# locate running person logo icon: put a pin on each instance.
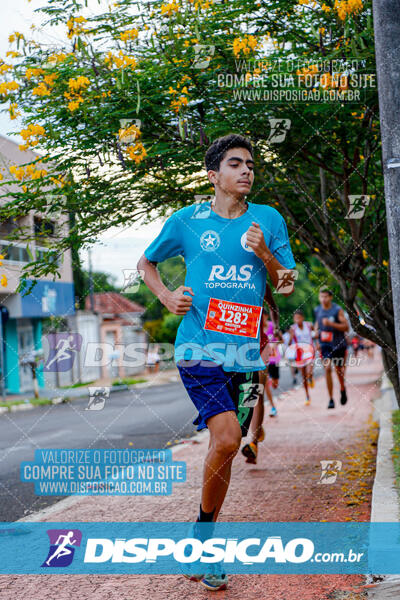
(286, 280)
(358, 205)
(329, 471)
(63, 348)
(62, 542)
(279, 129)
(249, 394)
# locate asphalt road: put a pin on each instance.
(155, 417)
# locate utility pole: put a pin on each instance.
(91, 281)
(387, 49)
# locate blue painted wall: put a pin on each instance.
(37, 338)
(11, 357)
(48, 298)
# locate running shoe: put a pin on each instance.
(343, 397)
(331, 403)
(273, 412)
(250, 452)
(198, 532)
(261, 435)
(193, 576)
(311, 382)
(215, 580)
(307, 402)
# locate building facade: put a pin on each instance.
(22, 315)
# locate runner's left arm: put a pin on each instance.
(280, 247)
(273, 308)
(343, 324)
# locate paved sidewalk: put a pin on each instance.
(283, 486)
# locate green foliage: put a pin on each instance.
(304, 297)
(172, 272)
(169, 327)
(138, 61)
(153, 329)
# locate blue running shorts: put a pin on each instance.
(213, 390)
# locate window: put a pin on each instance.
(7, 227)
(14, 252)
(40, 252)
(43, 228)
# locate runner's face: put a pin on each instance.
(298, 319)
(325, 299)
(236, 173)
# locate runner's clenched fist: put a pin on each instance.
(255, 240)
(177, 302)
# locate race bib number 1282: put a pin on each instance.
(233, 318)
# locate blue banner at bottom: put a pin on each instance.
(169, 548)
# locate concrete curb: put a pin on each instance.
(385, 499)
(74, 394)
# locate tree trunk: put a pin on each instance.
(387, 49)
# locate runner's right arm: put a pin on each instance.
(176, 302)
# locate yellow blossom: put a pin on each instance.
(246, 44)
(13, 111)
(4, 67)
(129, 34)
(120, 61)
(181, 101)
(32, 71)
(170, 8)
(49, 79)
(59, 57)
(8, 86)
(18, 172)
(12, 54)
(75, 26)
(325, 8)
(3, 281)
(345, 8)
(41, 90)
(15, 36)
(77, 84)
(32, 130)
(74, 104)
(136, 153)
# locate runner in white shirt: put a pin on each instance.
(303, 353)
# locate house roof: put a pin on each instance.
(113, 303)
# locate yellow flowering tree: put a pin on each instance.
(124, 110)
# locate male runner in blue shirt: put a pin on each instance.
(228, 246)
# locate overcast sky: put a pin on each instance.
(120, 248)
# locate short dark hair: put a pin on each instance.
(298, 311)
(325, 290)
(220, 147)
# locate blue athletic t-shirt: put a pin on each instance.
(219, 265)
